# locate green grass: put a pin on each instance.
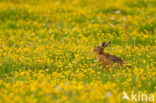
(39, 35)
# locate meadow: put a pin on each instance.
(46, 50)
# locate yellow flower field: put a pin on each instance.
(46, 51)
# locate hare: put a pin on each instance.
(107, 60)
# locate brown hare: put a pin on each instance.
(107, 60)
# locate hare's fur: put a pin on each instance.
(107, 59)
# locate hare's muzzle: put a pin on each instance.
(93, 50)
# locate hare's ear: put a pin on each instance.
(106, 44)
(103, 44)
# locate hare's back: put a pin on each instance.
(113, 58)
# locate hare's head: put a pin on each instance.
(99, 49)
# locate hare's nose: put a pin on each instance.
(93, 50)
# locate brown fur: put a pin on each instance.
(106, 59)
